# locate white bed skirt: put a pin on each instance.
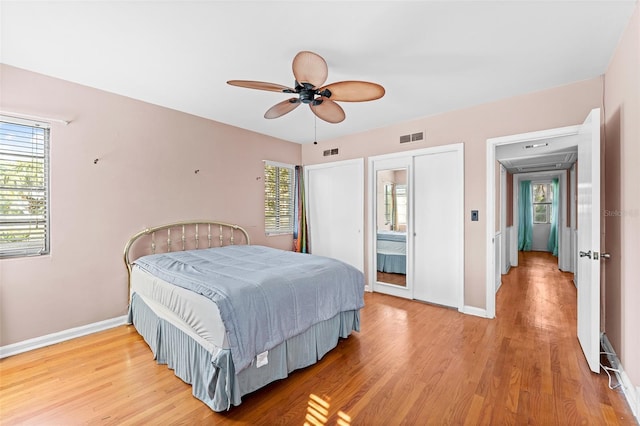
(211, 373)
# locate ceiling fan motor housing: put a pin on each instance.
(307, 93)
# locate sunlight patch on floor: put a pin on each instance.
(318, 413)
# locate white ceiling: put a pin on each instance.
(551, 154)
(431, 56)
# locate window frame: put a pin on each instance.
(548, 204)
(278, 229)
(40, 152)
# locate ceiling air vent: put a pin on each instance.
(412, 137)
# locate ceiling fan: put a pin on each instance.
(310, 72)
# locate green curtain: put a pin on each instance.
(552, 245)
(300, 231)
(525, 216)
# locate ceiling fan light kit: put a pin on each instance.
(310, 71)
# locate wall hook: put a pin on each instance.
(96, 161)
(197, 171)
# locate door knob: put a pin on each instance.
(587, 254)
(605, 255)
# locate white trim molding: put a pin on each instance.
(60, 336)
(630, 391)
(472, 310)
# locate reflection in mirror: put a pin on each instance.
(391, 226)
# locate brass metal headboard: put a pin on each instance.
(187, 235)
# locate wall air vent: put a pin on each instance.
(328, 152)
(413, 137)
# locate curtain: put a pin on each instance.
(552, 245)
(525, 216)
(300, 231)
(394, 209)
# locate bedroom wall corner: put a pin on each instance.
(155, 165)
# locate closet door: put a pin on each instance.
(438, 227)
(391, 233)
(335, 210)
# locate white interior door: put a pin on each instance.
(438, 228)
(588, 277)
(335, 210)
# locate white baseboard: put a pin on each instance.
(472, 310)
(630, 391)
(61, 336)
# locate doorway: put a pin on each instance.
(587, 139)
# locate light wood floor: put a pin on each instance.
(397, 279)
(411, 364)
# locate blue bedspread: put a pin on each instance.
(264, 295)
(392, 236)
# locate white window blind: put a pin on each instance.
(278, 198)
(24, 187)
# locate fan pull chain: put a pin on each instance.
(315, 130)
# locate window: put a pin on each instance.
(278, 198)
(542, 199)
(401, 200)
(24, 187)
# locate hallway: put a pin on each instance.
(536, 307)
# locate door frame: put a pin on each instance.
(564, 241)
(492, 144)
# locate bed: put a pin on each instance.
(391, 249)
(230, 317)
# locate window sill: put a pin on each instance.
(275, 234)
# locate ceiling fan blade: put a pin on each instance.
(311, 68)
(328, 110)
(281, 108)
(261, 85)
(354, 91)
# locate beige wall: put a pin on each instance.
(145, 176)
(556, 107)
(622, 199)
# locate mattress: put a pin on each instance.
(391, 247)
(197, 314)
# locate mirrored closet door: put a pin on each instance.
(391, 234)
(391, 216)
